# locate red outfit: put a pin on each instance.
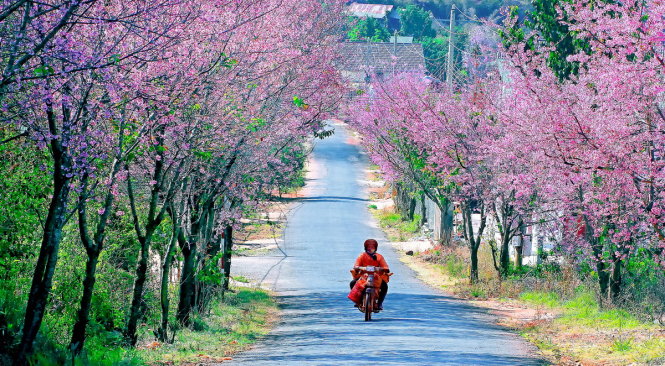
(365, 260)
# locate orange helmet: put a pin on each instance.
(371, 243)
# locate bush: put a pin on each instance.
(455, 266)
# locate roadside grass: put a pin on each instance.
(241, 279)
(232, 326)
(568, 325)
(394, 225)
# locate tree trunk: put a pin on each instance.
(162, 331)
(56, 218)
(603, 281)
(423, 210)
(447, 216)
(187, 285)
(78, 335)
(226, 257)
(616, 282)
(205, 289)
(519, 250)
(474, 265)
(42, 279)
(473, 239)
(504, 256)
(137, 295)
(518, 257)
(404, 202)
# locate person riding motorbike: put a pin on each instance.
(371, 258)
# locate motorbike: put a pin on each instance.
(365, 293)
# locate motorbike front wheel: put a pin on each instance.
(369, 308)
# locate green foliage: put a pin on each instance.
(552, 28)
(622, 345)
(545, 18)
(416, 22)
(373, 207)
(436, 54)
(389, 219)
(211, 273)
(546, 299)
(477, 291)
(368, 29)
(298, 101)
(411, 226)
(43, 70)
(455, 266)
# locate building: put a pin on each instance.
(363, 62)
(386, 13)
(377, 11)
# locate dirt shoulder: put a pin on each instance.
(573, 332)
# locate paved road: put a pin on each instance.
(320, 326)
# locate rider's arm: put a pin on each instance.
(383, 263)
(358, 262)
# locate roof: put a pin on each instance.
(401, 39)
(369, 10)
(382, 58)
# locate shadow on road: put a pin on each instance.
(414, 328)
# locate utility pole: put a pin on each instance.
(449, 63)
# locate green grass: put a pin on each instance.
(373, 206)
(624, 345)
(478, 292)
(546, 299)
(584, 310)
(393, 220)
(389, 219)
(455, 266)
(650, 352)
(412, 226)
(232, 325)
(242, 279)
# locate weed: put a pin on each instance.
(622, 345)
(478, 292)
(373, 207)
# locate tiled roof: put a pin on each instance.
(369, 10)
(386, 58)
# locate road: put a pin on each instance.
(319, 325)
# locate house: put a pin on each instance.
(378, 11)
(386, 13)
(363, 62)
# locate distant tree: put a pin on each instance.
(436, 54)
(553, 27)
(368, 29)
(552, 24)
(416, 22)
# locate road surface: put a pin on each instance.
(320, 326)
